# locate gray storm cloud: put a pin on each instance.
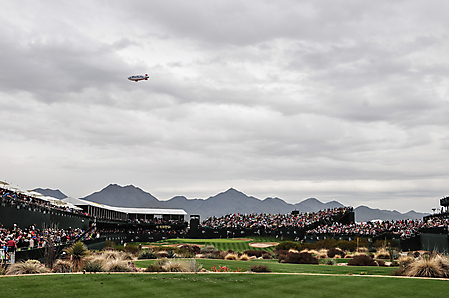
(293, 99)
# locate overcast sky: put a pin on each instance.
(338, 100)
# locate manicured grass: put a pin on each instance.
(224, 244)
(277, 267)
(217, 285)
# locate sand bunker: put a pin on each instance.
(263, 244)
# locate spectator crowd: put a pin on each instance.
(32, 237)
(402, 228)
(273, 221)
(11, 198)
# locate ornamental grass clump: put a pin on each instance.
(154, 268)
(27, 267)
(232, 256)
(132, 249)
(193, 266)
(244, 257)
(335, 253)
(434, 265)
(95, 264)
(63, 266)
(112, 255)
(382, 253)
(256, 253)
(175, 266)
(147, 254)
(118, 266)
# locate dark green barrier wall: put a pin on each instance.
(25, 218)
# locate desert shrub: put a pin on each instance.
(186, 251)
(267, 256)
(189, 250)
(117, 266)
(77, 252)
(434, 265)
(154, 268)
(321, 254)
(259, 268)
(347, 245)
(424, 267)
(362, 249)
(175, 266)
(256, 253)
(280, 252)
(112, 255)
(326, 243)
(214, 255)
(286, 245)
(405, 261)
(443, 261)
(332, 252)
(416, 254)
(171, 254)
(2, 269)
(63, 266)
(398, 272)
(127, 257)
(233, 257)
(27, 267)
(394, 264)
(209, 249)
(95, 265)
(244, 257)
(147, 254)
(299, 258)
(132, 249)
(330, 262)
(362, 260)
(383, 254)
(193, 266)
(162, 254)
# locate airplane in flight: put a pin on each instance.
(138, 78)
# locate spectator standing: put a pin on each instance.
(12, 246)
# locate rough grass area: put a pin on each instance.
(217, 285)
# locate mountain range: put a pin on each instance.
(230, 201)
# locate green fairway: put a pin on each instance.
(217, 285)
(224, 244)
(277, 267)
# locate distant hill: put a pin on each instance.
(124, 196)
(364, 213)
(230, 201)
(234, 201)
(54, 193)
(313, 205)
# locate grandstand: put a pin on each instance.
(98, 223)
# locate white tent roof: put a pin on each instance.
(156, 211)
